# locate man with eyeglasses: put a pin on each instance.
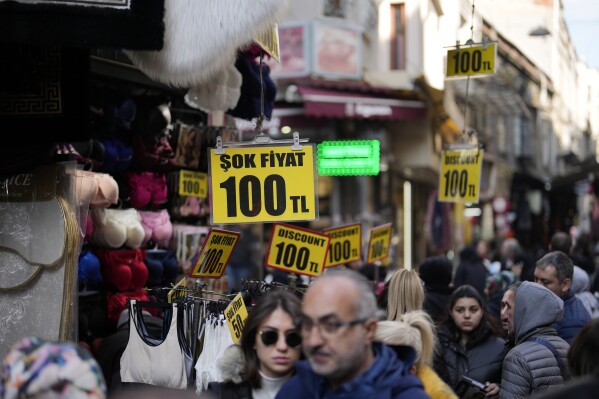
(338, 328)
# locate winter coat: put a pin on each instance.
(581, 388)
(575, 317)
(471, 270)
(480, 360)
(436, 302)
(434, 385)
(388, 377)
(530, 367)
(233, 385)
(580, 288)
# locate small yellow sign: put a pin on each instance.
(236, 314)
(471, 60)
(380, 240)
(193, 184)
(297, 250)
(346, 244)
(268, 40)
(214, 254)
(180, 290)
(263, 184)
(459, 180)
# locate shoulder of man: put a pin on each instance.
(302, 384)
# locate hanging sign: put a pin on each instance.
(297, 250)
(193, 184)
(346, 244)
(471, 60)
(380, 240)
(459, 180)
(263, 184)
(236, 314)
(215, 253)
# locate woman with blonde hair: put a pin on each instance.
(415, 329)
(405, 293)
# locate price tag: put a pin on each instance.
(193, 184)
(215, 253)
(263, 184)
(236, 314)
(346, 244)
(471, 61)
(459, 180)
(380, 240)
(297, 250)
(175, 293)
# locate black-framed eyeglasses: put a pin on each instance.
(328, 328)
(270, 337)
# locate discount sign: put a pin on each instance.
(460, 175)
(471, 61)
(297, 250)
(346, 244)
(380, 239)
(193, 184)
(236, 314)
(215, 253)
(263, 184)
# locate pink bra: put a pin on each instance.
(96, 189)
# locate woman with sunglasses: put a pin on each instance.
(269, 347)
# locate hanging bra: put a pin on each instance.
(114, 228)
(150, 361)
(96, 189)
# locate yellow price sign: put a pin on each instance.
(180, 290)
(193, 184)
(214, 254)
(459, 180)
(263, 184)
(297, 250)
(236, 314)
(380, 240)
(346, 244)
(471, 60)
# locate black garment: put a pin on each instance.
(436, 302)
(230, 390)
(581, 388)
(480, 360)
(471, 270)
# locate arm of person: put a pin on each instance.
(515, 378)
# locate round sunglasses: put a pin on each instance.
(270, 337)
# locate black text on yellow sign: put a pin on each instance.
(215, 253)
(460, 175)
(193, 184)
(263, 184)
(380, 240)
(471, 61)
(236, 314)
(297, 250)
(346, 244)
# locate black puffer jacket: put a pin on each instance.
(480, 360)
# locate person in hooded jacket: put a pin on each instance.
(269, 346)
(436, 273)
(469, 345)
(538, 360)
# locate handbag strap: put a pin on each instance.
(558, 358)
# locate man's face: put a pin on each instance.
(507, 311)
(547, 277)
(338, 354)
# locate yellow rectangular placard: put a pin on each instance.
(459, 180)
(193, 184)
(236, 314)
(471, 61)
(263, 184)
(179, 290)
(215, 253)
(297, 250)
(380, 240)
(346, 244)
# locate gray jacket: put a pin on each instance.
(530, 367)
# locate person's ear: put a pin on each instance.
(566, 284)
(370, 326)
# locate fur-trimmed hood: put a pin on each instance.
(232, 364)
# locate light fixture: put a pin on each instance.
(539, 31)
(349, 158)
(285, 130)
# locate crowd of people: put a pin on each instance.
(519, 330)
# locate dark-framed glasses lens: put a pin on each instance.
(293, 339)
(269, 337)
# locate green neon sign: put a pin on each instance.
(349, 158)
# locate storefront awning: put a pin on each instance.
(324, 103)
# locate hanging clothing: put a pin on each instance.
(150, 361)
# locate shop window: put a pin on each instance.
(398, 36)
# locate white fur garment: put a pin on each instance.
(202, 37)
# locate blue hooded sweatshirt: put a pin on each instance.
(388, 378)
